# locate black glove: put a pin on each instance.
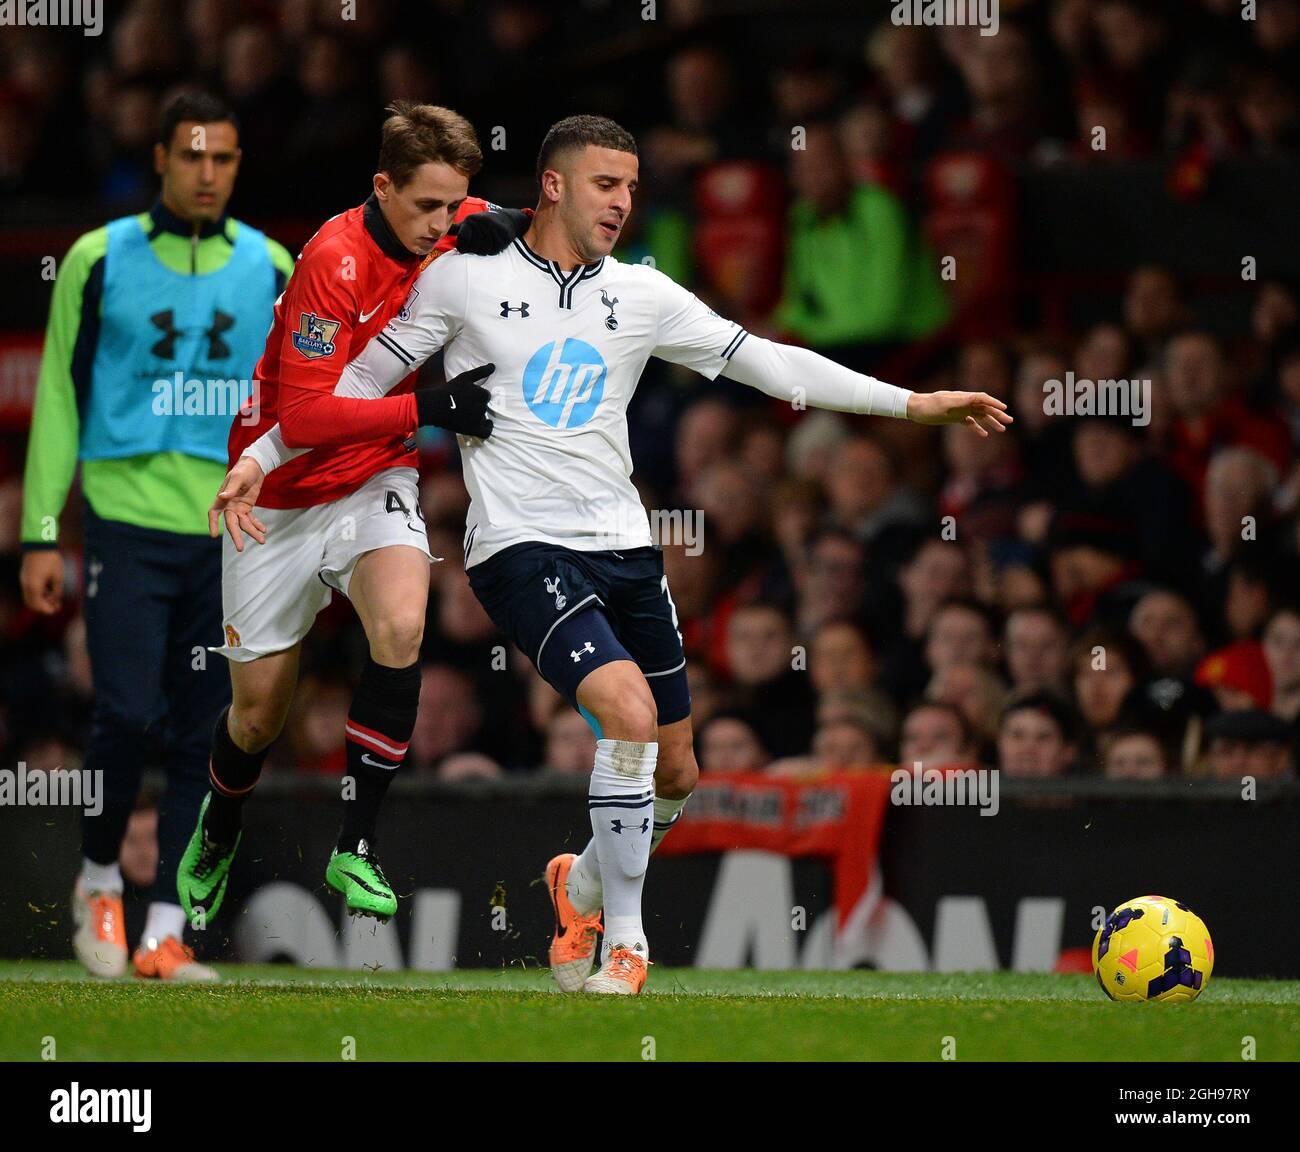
(490, 232)
(459, 405)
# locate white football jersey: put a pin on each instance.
(569, 349)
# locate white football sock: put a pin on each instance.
(101, 877)
(163, 920)
(620, 800)
(666, 813)
(583, 888)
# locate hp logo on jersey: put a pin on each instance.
(564, 383)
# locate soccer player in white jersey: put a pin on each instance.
(557, 544)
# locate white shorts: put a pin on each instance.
(270, 593)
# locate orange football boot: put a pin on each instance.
(622, 974)
(573, 947)
(99, 938)
(169, 959)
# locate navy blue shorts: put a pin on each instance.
(571, 612)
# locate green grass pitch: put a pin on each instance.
(280, 1013)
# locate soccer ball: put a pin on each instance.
(1153, 948)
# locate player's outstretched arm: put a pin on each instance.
(807, 379)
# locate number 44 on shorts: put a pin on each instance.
(394, 503)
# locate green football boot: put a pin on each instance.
(358, 876)
(203, 872)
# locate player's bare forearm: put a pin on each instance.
(979, 410)
(235, 502)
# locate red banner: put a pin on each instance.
(837, 816)
(20, 363)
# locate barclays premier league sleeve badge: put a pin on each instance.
(315, 335)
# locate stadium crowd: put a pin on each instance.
(1093, 595)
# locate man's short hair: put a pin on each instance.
(578, 132)
(969, 738)
(1047, 611)
(416, 134)
(1045, 704)
(199, 107)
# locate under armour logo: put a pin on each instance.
(579, 653)
(218, 349)
(618, 825)
(165, 322)
(553, 587)
(166, 347)
(611, 321)
(93, 569)
(506, 309)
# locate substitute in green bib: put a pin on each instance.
(155, 326)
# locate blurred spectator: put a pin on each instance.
(829, 581)
(937, 571)
(315, 725)
(1007, 115)
(462, 766)
(1249, 744)
(1122, 483)
(1153, 309)
(1108, 669)
(1035, 738)
(1043, 438)
(1282, 651)
(703, 126)
(864, 491)
(1267, 108)
(1207, 414)
(1165, 624)
(1091, 558)
(871, 708)
(139, 858)
(1238, 675)
(960, 632)
(728, 743)
(706, 432)
(448, 719)
(1034, 644)
(1253, 581)
(858, 278)
(332, 119)
(570, 744)
(840, 658)
(1239, 486)
(921, 103)
(778, 697)
(936, 735)
(1133, 755)
(404, 74)
(843, 746)
(977, 691)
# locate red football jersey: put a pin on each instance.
(352, 278)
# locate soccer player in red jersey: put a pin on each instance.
(347, 516)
